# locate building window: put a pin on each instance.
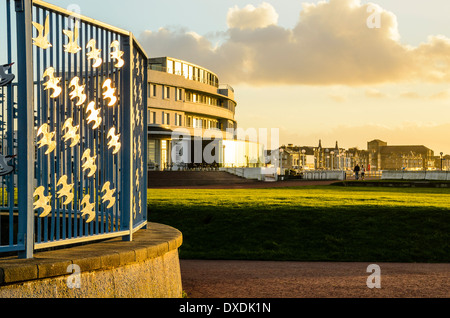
(167, 92)
(169, 66)
(154, 90)
(178, 119)
(152, 118)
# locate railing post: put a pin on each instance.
(127, 135)
(25, 138)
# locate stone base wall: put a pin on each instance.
(148, 267)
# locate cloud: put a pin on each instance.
(374, 93)
(251, 17)
(330, 45)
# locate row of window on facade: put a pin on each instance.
(188, 71)
(180, 120)
(190, 97)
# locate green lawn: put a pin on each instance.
(309, 224)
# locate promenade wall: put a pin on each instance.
(147, 267)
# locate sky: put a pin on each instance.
(339, 70)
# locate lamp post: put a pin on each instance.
(332, 160)
(303, 159)
(442, 158)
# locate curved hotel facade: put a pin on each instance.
(187, 110)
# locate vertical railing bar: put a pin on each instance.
(89, 181)
(45, 106)
(66, 211)
(145, 136)
(61, 222)
(118, 111)
(82, 68)
(110, 69)
(99, 41)
(100, 105)
(75, 110)
(25, 136)
(68, 73)
(110, 158)
(10, 122)
(54, 155)
(40, 109)
(127, 151)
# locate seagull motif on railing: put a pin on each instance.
(6, 78)
(109, 195)
(88, 209)
(72, 46)
(89, 163)
(43, 31)
(6, 169)
(109, 93)
(93, 115)
(114, 142)
(94, 54)
(117, 54)
(52, 82)
(78, 91)
(71, 132)
(43, 202)
(47, 139)
(65, 191)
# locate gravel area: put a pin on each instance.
(250, 279)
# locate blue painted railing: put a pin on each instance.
(80, 128)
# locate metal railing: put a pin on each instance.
(80, 130)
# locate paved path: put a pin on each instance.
(245, 279)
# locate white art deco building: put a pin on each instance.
(191, 118)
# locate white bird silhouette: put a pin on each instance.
(78, 91)
(88, 209)
(117, 54)
(89, 163)
(94, 54)
(6, 78)
(52, 82)
(93, 115)
(114, 141)
(72, 46)
(43, 202)
(43, 31)
(109, 195)
(65, 191)
(71, 132)
(109, 93)
(47, 139)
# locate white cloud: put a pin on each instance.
(251, 17)
(330, 45)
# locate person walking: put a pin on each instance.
(356, 171)
(363, 173)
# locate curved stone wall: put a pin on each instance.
(148, 267)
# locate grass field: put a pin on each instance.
(309, 223)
